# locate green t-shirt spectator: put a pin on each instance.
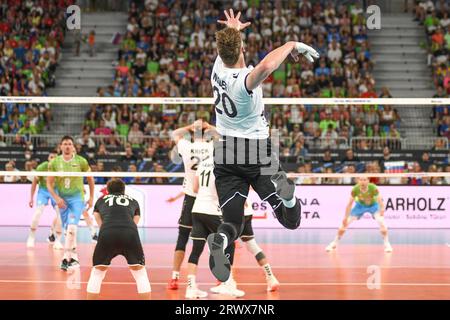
(430, 21)
(447, 39)
(28, 130)
(130, 43)
(325, 123)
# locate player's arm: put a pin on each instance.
(91, 183)
(180, 133)
(274, 59)
(33, 190)
(51, 188)
(137, 214)
(349, 207)
(97, 215)
(173, 199)
(210, 131)
(98, 218)
(195, 184)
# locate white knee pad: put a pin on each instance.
(37, 216)
(95, 280)
(253, 247)
(142, 282)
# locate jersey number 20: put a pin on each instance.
(225, 98)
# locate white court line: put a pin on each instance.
(303, 284)
(302, 267)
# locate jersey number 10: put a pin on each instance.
(120, 201)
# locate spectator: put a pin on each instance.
(426, 162)
(86, 141)
(327, 158)
(91, 43)
(10, 166)
(135, 136)
(129, 155)
(350, 158)
(102, 130)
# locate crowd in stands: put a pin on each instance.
(31, 34)
(169, 49)
(434, 16)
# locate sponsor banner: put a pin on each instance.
(322, 206)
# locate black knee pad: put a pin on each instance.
(231, 230)
(197, 249)
(183, 238)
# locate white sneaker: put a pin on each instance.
(388, 248)
(195, 293)
(30, 242)
(229, 289)
(331, 246)
(57, 245)
(217, 289)
(272, 284)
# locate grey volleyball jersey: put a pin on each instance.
(239, 112)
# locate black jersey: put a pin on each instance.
(117, 210)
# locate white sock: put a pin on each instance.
(267, 270)
(93, 230)
(290, 203)
(225, 241)
(32, 233)
(175, 275)
(70, 242)
(191, 281)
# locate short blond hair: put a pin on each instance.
(229, 44)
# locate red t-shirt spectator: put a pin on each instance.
(103, 131)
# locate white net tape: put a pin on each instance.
(270, 101)
(181, 174)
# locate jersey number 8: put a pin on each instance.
(224, 99)
(67, 183)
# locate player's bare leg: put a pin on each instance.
(347, 221)
(384, 232)
(94, 285)
(142, 283)
(57, 230)
(178, 257)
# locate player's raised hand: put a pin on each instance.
(305, 50)
(232, 21)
